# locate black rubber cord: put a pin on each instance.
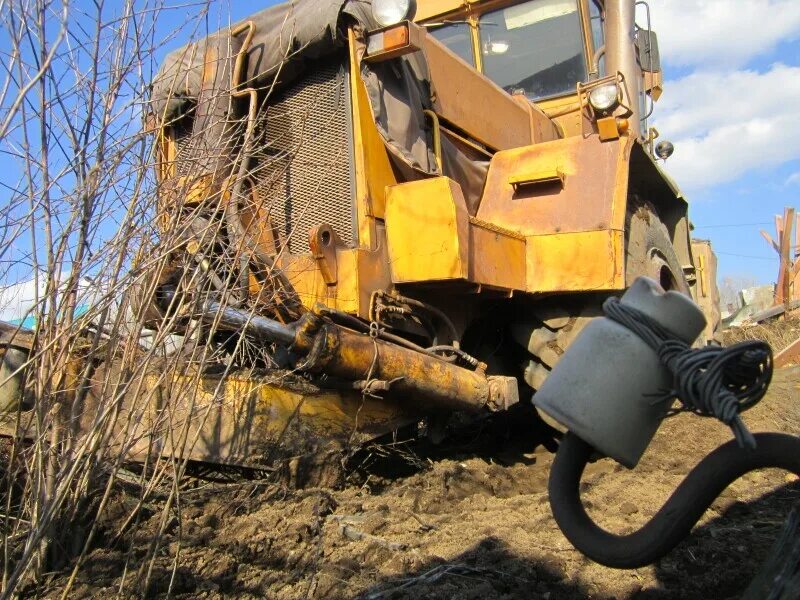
(678, 515)
(711, 382)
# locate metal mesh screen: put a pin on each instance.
(188, 152)
(304, 170)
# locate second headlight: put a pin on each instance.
(604, 98)
(391, 12)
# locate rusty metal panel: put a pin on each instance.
(462, 96)
(251, 419)
(594, 186)
(496, 257)
(576, 262)
(705, 290)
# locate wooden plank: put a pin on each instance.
(773, 312)
(786, 255)
(788, 356)
(770, 241)
(796, 267)
(783, 289)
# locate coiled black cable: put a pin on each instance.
(713, 381)
(680, 513)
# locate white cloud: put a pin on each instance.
(793, 179)
(706, 100)
(726, 124)
(722, 32)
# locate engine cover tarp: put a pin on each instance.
(288, 39)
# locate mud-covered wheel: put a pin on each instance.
(550, 330)
(649, 250)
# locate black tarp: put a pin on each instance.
(288, 39)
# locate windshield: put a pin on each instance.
(457, 37)
(535, 47)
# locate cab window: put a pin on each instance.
(458, 38)
(598, 32)
(535, 47)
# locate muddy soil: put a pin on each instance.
(473, 525)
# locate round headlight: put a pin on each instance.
(391, 12)
(605, 97)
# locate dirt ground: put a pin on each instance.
(474, 525)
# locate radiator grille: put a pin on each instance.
(188, 152)
(303, 172)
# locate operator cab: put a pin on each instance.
(537, 48)
(555, 52)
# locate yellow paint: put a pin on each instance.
(701, 274)
(619, 198)
(196, 189)
(607, 128)
(566, 112)
(360, 272)
(528, 178)
(306, 279)
(234, 420)
(576, 262)
(427, 227)
(348, 290)
(427, 9)
(581, 203)
(372, 165)
(431, 238)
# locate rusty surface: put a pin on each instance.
(583, 203)
(247, 419)
(789, 356)
(417, 379)
(462, 95)
(705, 290)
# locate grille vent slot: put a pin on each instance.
(303, 171)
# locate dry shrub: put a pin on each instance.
(84, 225)
(777, 333)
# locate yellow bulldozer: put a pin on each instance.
(381, 213)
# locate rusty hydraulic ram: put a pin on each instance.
(333, 350)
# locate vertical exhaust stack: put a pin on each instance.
(621, 55)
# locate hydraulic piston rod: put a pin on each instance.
(261, 328)
(334, 350)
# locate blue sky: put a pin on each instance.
(732, 71)
(729, 106)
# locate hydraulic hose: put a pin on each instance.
(673, 523)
